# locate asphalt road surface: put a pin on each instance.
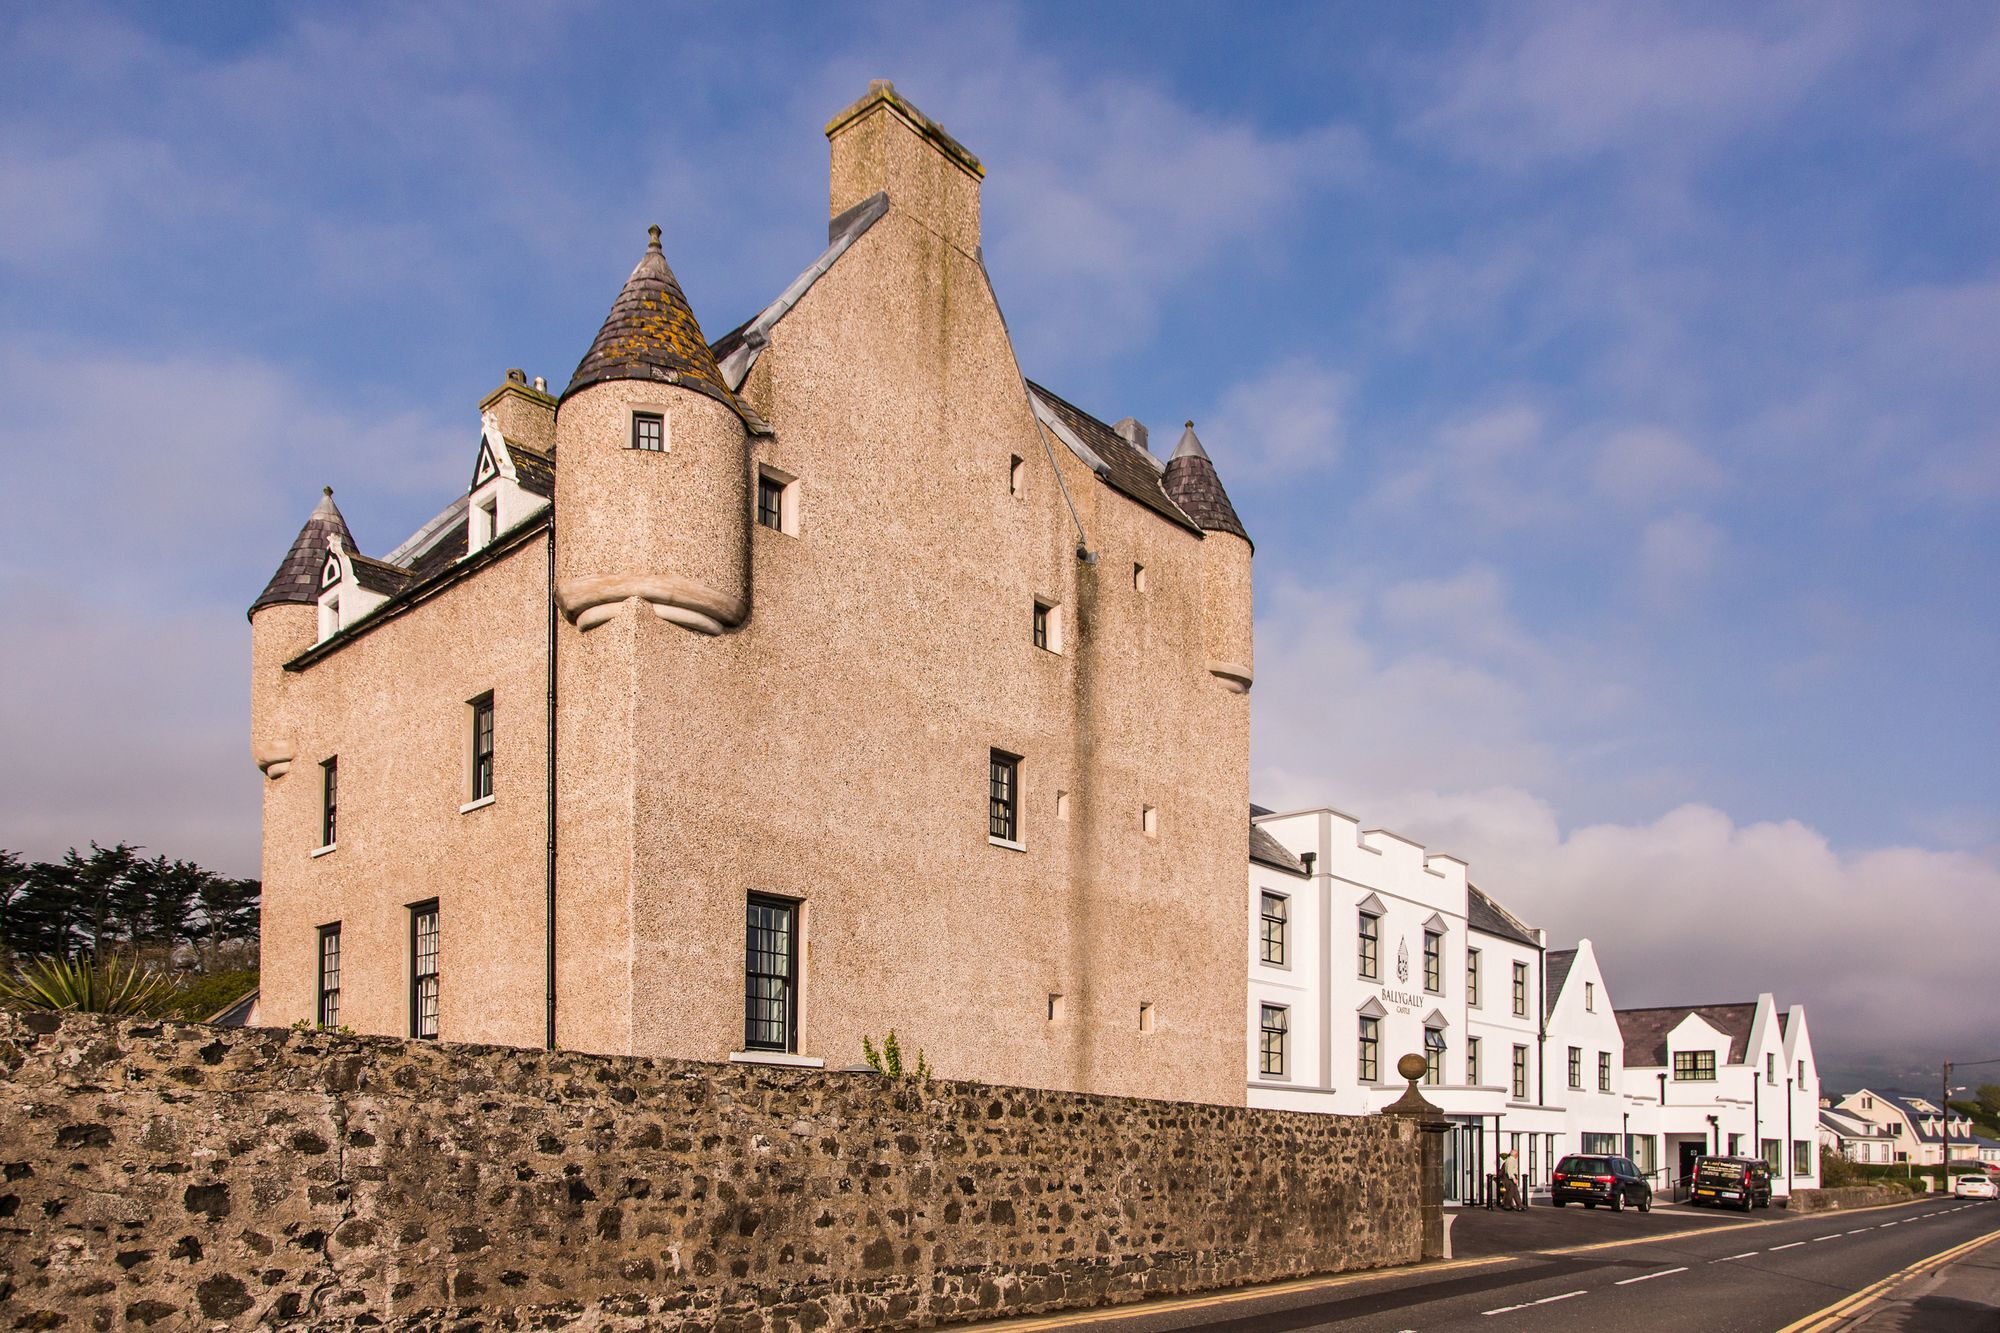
(1755, 1276)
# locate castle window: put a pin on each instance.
(1434, 1055)
(1138, 578)
(1017, 477)
(1003, 798)
(1145, 1015)
(1277, 917)
(482, 747)
(329, 976)
(777, 501)
(1041, 627)
(1433, 962)
(1368, 1065)
(1276, 1023)
(1520, 990)
(770, 974)
(649, 431)
(424, 970)
(1149, 820)
(329, 801)
(1368, 947)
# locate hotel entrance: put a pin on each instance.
(1465, 1168)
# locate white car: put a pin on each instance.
(1973, 1187)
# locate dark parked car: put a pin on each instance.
(1612, 1181)
(1733, 1182)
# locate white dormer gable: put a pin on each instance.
(342, 599)
(496, 501)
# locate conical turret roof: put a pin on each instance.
(651, 334)
(297, 579)
(1191, 482)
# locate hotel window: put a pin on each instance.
(1276, 1022)
(1802, 1157)
(770, 503)
(1694, 1066)
(1003, 797)
(1770, 1069)
(1802, 1073)
(1434, 1055)
(1433, 962)
(1590, 997)
(649, 431)
(329, 801)
(1369, 1067)
(1368, 944)
(1472, 1062)
(1520, 1073)
(424, 970)
(1604, 1071)
(1576, 1066)
(1472, 977)
(1520, 990)
(770, 974)
(329, 976)
(1774, 1154)
(1277, 922)
(482, 747)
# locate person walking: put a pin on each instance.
(1510, 1184)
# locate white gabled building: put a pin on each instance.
(1365, 947)
(1855, 1139)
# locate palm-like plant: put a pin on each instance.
(89, 985)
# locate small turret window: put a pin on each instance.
(777, 501)
(649, 431)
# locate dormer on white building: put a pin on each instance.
(352, 585)
(511, 483)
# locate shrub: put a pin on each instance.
(90, 985)
(889, 1059)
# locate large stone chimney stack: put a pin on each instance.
(882, 143)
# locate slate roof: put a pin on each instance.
(1645, 1030)
(379, 575)
(297, 579)
(1848, 1125)
(1556, 972)
(1267, 850)
(1490, 918)
(534, 470)
(651, 334)
(1191, 482)
(1129, 470)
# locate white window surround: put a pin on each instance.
(636, 410)
(1008, 843)
(777, 1058)
(1051, 611)
(479, 804)
(788, 500)
(322, 851)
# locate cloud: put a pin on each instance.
(1643, 465)
(1286, 421)
(1677, 554)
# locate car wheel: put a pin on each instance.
(1618, 1201)
(1748, 1203)
(1646, 1202)
(1590, 1203)
(1560, 1203)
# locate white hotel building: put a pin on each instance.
(1365, 947)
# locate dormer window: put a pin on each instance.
(485, 521)
(329, 573)
(649, 431)
(1589, 997)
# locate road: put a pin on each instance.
(1749, 1277)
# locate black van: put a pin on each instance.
(1733, 1182)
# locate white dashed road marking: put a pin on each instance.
(1509, 1309)
(1858, 1230)
(1793, 1246)
(1733, 1257)
(1834, 1236)
(1648, 1277)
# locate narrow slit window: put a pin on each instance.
(1055, 1007)
(329, 976)
(1017, 477)
(1145, 1016)
(1149, 820)
(329, 801)
(1138, 578)
(424, 970)
(770, 502)
(1041, 625)
(482, 747)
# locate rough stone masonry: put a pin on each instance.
(179, 1175)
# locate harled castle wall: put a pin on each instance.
(159, 1172)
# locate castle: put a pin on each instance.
(763, 694)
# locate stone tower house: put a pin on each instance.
(766, 693)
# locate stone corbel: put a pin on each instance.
(274, 758)
(1235, 677)
(589, 601)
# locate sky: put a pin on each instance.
(1613, 394)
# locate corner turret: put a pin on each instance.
(284, 622)
(1191, 481)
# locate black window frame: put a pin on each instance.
(771, 995)
(1003, 797)
(1576, 1068)
(1472, 957)
(425, 948)
(658, 421)
(1435, 1051)
(1518, 1073)
(1272, 1039)
(1604, 1071)
(1520, 989)
(1368, 1049)
(1274, 929)
(772, 514)
(1434, 962)
(1039, 626)
(326, 1005)
(329, 800)
(1471, 1061)
(1694, 1066)
(482, 746)
(1368, 946)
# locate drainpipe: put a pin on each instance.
(1788, 1152)
(549, 865)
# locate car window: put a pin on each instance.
(1586, 1166)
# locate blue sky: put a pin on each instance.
(1611, 390)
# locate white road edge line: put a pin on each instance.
(1731, 1258)
(1793, 1246)
(1648, 1277)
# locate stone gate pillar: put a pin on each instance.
(1431, 1128)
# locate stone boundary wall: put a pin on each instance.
(1847, 1196)
(162, 1174)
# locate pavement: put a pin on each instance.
(1921, 1263)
